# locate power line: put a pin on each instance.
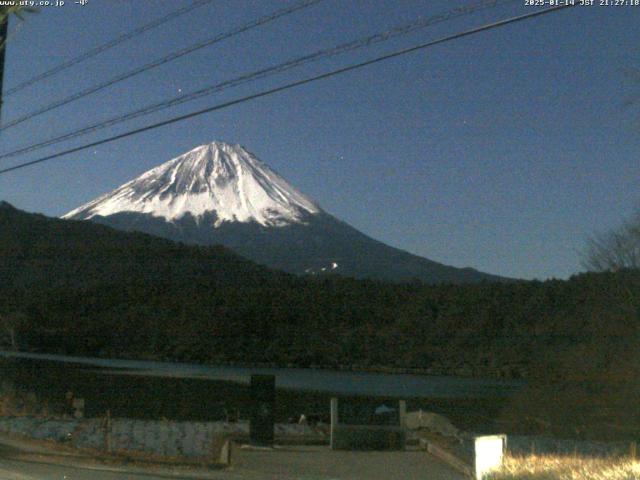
(266, 72)
(106, 46)
(288, 86)
(161, 61)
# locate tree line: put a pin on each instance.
(84, 289)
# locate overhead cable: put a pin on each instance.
(291, 85)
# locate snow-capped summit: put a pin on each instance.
(220, 194)
(217, 178)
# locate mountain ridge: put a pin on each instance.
(222, 194)
(215, 177)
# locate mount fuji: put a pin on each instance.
(222, 194)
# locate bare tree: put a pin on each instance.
(617, 249)
(10, 325)
(5, 12)
(18, 11)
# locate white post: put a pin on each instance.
(334, 417)
(402, 413)
(225, 453)
(107, 428)
(489, 450)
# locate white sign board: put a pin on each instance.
(488, 452)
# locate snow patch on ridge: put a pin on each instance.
(217, 177)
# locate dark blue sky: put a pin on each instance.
(502, 151)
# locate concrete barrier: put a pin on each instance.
(484, 456)
(208, 441)
(461, 465)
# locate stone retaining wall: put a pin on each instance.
(156, 438)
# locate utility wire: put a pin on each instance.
(161, 61)
(106, 46)
(288, 86)
(264, 73)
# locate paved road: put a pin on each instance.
(20, 470)
(285, 463)
(28, 470)
(40, 464)
(321, 463)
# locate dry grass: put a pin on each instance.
(550, 467)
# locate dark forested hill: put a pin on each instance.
(83, 288)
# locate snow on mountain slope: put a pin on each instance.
(217, 177)
(220, 194)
